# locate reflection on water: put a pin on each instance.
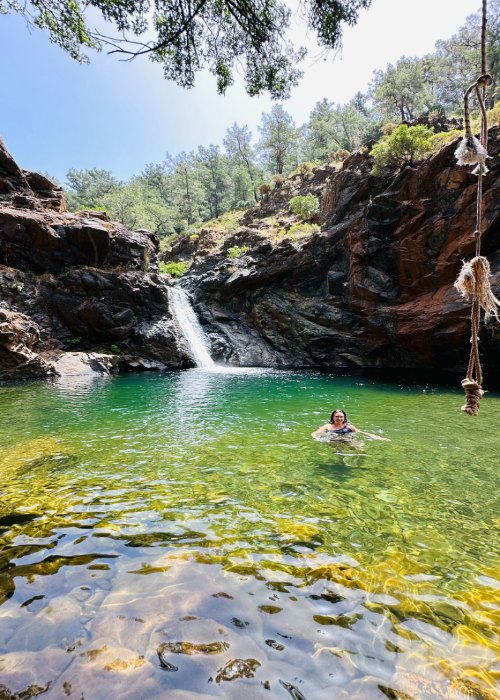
(80, 384)
(182, 536)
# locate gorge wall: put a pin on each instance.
(371, 288)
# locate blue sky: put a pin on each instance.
(56, 114)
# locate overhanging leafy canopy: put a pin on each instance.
(188, 35)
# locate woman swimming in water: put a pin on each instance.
(339, 425)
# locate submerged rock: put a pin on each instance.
(189, 648)
(237, 668)
(31, 691)
(293, 690)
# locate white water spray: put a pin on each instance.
(189, 325)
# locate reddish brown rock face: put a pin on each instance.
(374, 288)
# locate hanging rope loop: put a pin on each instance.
(484, 80)
(471, 150)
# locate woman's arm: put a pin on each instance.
(323, 429)
(363, 432)
(374, 437)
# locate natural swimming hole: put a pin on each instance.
(182, 536)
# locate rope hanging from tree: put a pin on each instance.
(473, 280)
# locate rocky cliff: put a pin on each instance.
(369, 284)
(76, 290)
(372, 287)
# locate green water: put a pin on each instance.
(181, 536)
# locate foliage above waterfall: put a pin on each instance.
(305, 206)
(176, 269)
(403, 146)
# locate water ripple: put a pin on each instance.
(181, 533)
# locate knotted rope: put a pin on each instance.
(473, 279)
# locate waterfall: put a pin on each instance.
(189, 325)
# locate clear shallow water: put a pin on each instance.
(182, 536)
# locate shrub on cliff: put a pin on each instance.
(237, 250)
(338, 156)
(405, 145)
(299, 230)
(494, 114)
(264, 190)
(176, 269)
(305, 207)
(444, 138)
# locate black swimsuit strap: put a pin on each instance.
(344, 429)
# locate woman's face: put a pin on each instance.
(338, 416)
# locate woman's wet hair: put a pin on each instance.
(339, 410)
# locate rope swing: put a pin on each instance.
(473, 280)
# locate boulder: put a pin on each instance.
(19, 336)
(73, 364)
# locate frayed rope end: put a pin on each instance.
(474, 279)
(470, 151)
(473, 396)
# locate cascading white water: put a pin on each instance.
(189, 325)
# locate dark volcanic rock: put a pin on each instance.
(12, 178)
(37, 234)
(129, 309)
(50, 196)
(76, 282)
(43, 241)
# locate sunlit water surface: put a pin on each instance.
(182, 536)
